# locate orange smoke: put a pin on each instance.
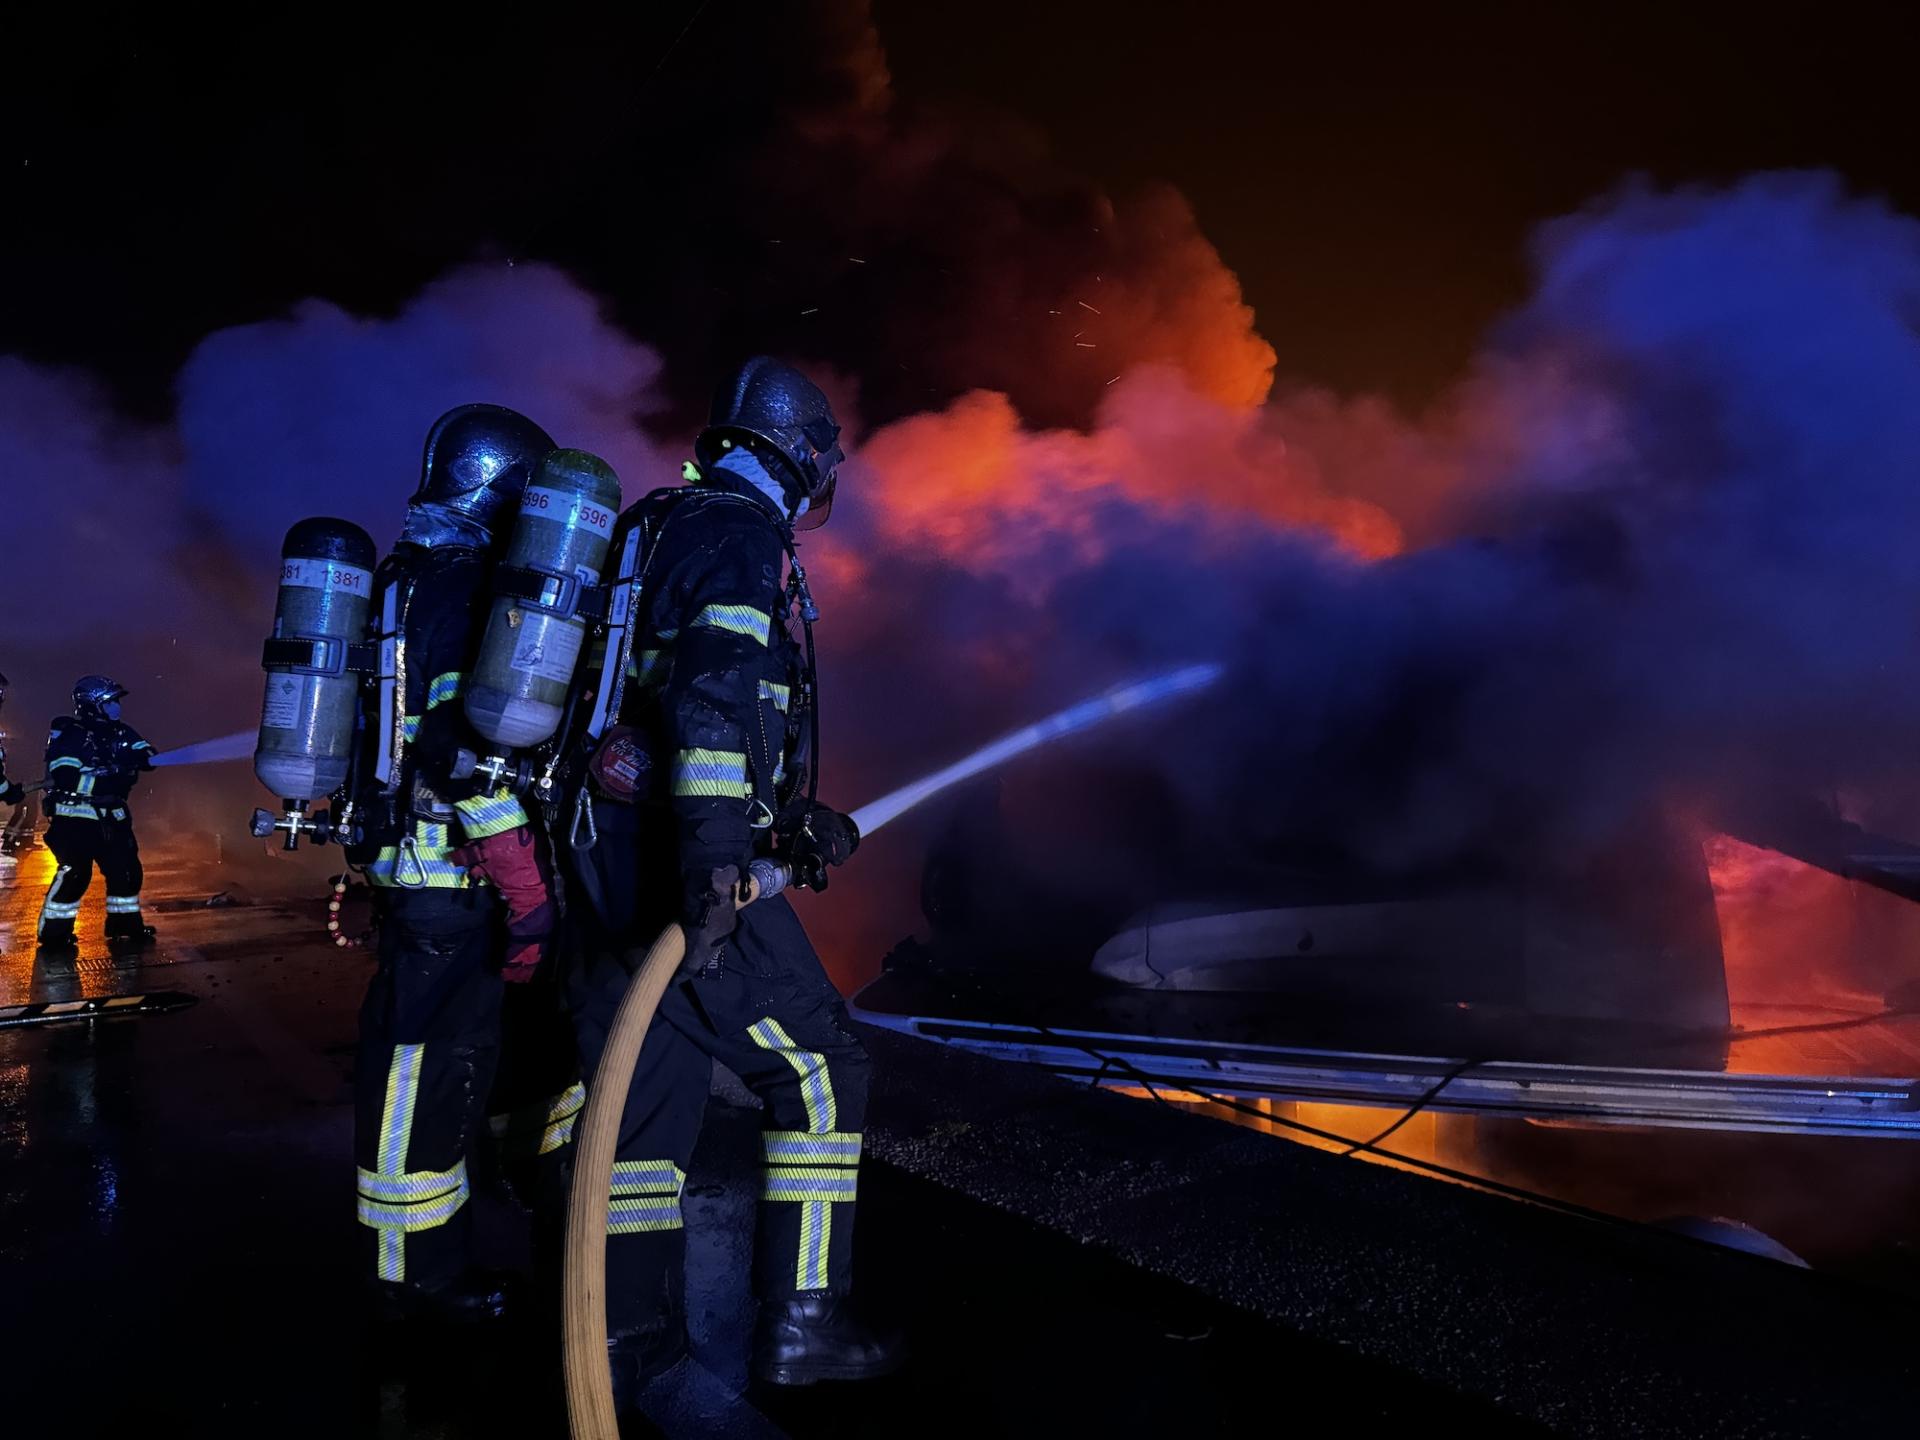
(973, 485)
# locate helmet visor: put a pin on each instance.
(819, 506)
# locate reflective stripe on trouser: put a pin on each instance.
(395, 1201)
(541, 1128)
(429, 1049)
(814, 1170)
(644, 1197)
(806, 1066)
(58, 912)
(813, 1188)
(123, 904)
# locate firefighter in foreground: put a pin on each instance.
(712, 766)
(93, 759)
(449, 858)
(12, 792)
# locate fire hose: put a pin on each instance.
(589, 1379)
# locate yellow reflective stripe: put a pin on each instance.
(562, 1115)
(396, 1132)
(816, 1231)
(484, 815)
(55, 764)
(647, 1177)
(410, 727)
(426, 868)
(552, 1121)
(569, 1101)
(85, 787)
(644, 1197)
(816, 1085)
(780, 695)
(809, 1184)
(559, 1133)
(411, 1186)
(443, 688)
(644, 1215)
(756, 625)
(816, 1217)
(714, 773)
(395, 1221)
(75, 811)
(799, 1147)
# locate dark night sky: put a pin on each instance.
(1372, 178)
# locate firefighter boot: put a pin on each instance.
(128, 932)
(56, 938)
(474, 1298)
(805, 1338)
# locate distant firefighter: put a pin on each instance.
(13, 793)
(93, 759)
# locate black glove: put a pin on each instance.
(709, 909)
(825, 837)
(13, 794)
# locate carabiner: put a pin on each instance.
(409, 855)
(583, 818)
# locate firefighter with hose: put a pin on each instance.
(93, 759)
(712, 767)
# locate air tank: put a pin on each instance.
(307, 720)
(532, 644)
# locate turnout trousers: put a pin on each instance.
(429, 1070)
(78, 845)
(768, 1012)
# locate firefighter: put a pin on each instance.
(12, 792)
(713, 708)
(461, 888)
(93, 759)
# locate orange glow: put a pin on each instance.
(1798, 936)
(1433, 1137)
(971, 483)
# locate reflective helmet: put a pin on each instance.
(478, 460)
(785, 420)
(92, 693)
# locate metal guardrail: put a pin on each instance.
(1592, 1094)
